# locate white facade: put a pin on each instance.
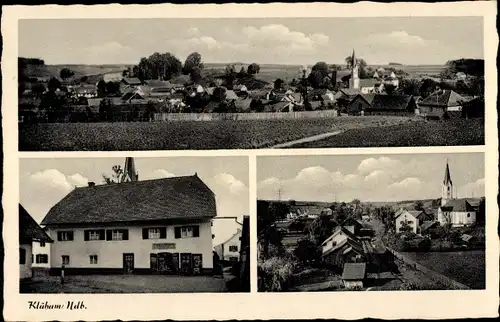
(110, 253)
(406, 218)
(456, 218)
(333, 240)
(230, 249)
(25, 270)
(41, 251)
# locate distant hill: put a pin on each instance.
(79, 70)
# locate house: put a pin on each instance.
(440, 103)
(353, 275)
(381, 104)
(456, 212)
(371, 85)
(473, 107)
(427, 226)
(87, 91)
(386, 77)
(29, 232)
(461, 76)
(341, 247)
(231, 95)
(131, 81)
(242, 105)
(229, 250)
(152, 226)
(409, 220)
(468, 239)
(112, 77)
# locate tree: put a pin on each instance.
(193, 61)
(361, 64)
(115, 176)
(306, 251)
(54, 84)
(428, 87)
(112, 88)
(410, 87)
(195, 75)
(101, 88)
(278, 83)
(219, 94)
(418, 205)
(266, 228)
(253, 69)
(158, 66)
(390, 89)
(66, 73)
(320, 229)
(105, 110)
(230, 76)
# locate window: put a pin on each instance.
(93, 259)
(410, 222)
(65, 235)
(154, 233)
(117, 234)
(187, 232)
(22, 256)
(42, 258)
(468, 215)
(94, 234)
(42, 244)
(65, 259)
(233, 248)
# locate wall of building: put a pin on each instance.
(353, 284)
(234, 241)
(337, 239)
(431, 111)
(25, 269)
(409, 220)
(37, 250)
(110, 253)
(457, 218)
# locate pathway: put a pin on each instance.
(306, 140)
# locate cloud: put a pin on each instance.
(193, 31)
(472, 189)
(227, 180)
(204, 42)
(382, 163)
(158, 174)
(107, 53)
(397, 38)
(46, 188)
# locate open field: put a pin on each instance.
(125, 284)
(187, 135)
(423, 133)
(467, 267)
(79, 70)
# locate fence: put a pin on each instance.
(172, 117)
(434, 275)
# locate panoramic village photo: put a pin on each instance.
(371, 222)
(184, 84)
(134, 225)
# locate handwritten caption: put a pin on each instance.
(45, 305)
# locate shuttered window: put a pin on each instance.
(42, 258)
(117, 234)
(65, 235)
(22, 256)
(187, 232)
(93, 259)
(94, 234)
(154, 233)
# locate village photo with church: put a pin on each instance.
(198, 84)
(134, 225)
(371, 222)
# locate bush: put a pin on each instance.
(275, 274)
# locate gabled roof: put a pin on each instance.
(336, 231)
(238, 232)
(443, 98)
(368, 82)
(447, 175)
(414, 213)
(354, 271)
(162, 199)
(29, 230)
(131, 81)
(231, 95)
(242, 104)
(466, 237)
(390, 102)
(460, 205)
(427, 224)
(348, 244)
(351, 92)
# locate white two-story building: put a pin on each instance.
(153, 226)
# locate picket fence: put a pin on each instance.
(172, 117)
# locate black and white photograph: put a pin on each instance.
(134, 225)
(251, 83)
(371, 222)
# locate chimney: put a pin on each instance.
(91, 184)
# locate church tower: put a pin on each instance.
(447, 187)
(354, 80)
(129, 172)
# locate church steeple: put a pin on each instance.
(129, 171)
(354, 80)
(447, 187)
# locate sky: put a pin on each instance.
(44, 182)
(303, 41)
(393, 177)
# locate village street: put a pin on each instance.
(126, 284)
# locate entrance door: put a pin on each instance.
(197, 264)
(175, 262)
(153, 262)
(128, 263)
(186, 263)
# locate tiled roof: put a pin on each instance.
(442, 98)
(29, 230)
(390, 102)
(131, 80)
(460, 205)
(354, 271)
(368, 82)
(427, 224)
(242, 105)
(162, 199)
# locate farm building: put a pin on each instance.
(440, 103)
(473, 108)
(382, 104)
(354, 275)
(341, 247)
(229, 250)
(153, 226)
(29, 232)
(371, 85)
(408, 220)
(131, 81)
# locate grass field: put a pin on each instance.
(186, 135)
(79, 70)
(423, 133)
